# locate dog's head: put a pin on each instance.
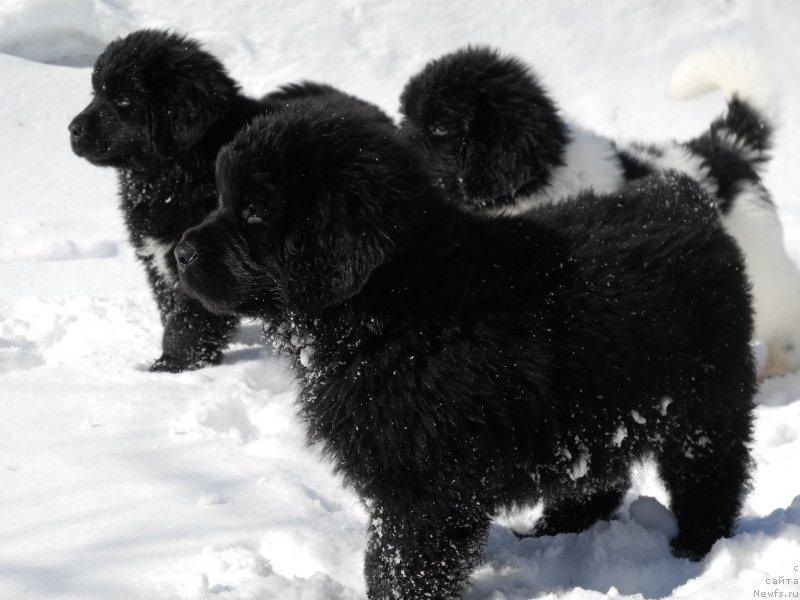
(155, 95)
(313, 199)
(487, 126)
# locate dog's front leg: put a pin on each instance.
(193, 337)
(423, 553)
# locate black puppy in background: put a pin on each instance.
(497, 143)
(452, 364)
(162, 108)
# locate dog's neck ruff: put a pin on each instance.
(590, 163)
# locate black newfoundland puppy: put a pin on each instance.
(162, 108)
(452, 364)
(497, 143)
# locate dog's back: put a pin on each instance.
(652, 269)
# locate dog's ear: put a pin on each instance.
(188, 91)
(331, 250)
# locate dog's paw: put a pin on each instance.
(688, 548)
(170, 364)
(544, 528)
(782, 358)
(167, 364)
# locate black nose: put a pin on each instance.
(77, 127)
(185, 254)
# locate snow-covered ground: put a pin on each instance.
(120, 484)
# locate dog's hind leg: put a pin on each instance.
(773, 276)
(705, 468)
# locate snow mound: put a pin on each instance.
(626, 557)
(239, 572)
(780, 391)
(653, 515)
(230, 417)
(28, 240)
(60, 33)
(75, 331)
(18, 356)
(776, 522)
(60, 250)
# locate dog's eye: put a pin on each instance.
(123, 103)
(439, 130)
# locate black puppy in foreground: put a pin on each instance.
(162, 109)
(452, 364)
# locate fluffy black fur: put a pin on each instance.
(162, 108)
(321, 93)
(494, 135)
(452, 364)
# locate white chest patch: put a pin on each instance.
(157, 253)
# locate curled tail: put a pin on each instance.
(747, 128)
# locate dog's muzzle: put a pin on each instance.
(185, 254)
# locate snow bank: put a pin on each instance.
(60, 33)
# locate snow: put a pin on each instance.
(118, 483)
(619, 435)
(580, 468)
(638, 418)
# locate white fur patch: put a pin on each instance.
(774, 277)
(731, 69)
(591, 164)
(157, 252)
